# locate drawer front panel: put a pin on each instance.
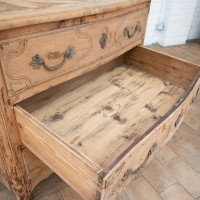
(39, 58)
(143, 152)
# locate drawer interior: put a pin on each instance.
(101, 113)
(85, 126)
(103, 116)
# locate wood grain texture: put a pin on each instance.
(106, 105)
(92, 129)
(39, 28)
(136, 156)
(167, 67)
(84, 39)
(100, 111)
(22, 13)
(78, 171)
(34, 90)
(166, 157)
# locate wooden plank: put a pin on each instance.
(19, 13)
(170, 68)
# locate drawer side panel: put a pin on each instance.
(72, 168)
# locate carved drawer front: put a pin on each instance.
(98, 131)
(37, 58)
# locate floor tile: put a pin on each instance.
(186, 176)
(69, 194)
(140, 189)
(195, 106)
(176, 192)
(165, 155)
(188, 152)
(6, 195)
(162, 179)
(59, 181)
(53, 196)
(189, 134)
(123, 195)
(175, 137)
(44, 188)
(192, 119)
(2, 187)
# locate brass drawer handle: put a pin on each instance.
(130, 172)
(103, 40)
(127, 31)
(38, 61)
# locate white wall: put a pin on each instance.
(178, 18)
(194, 32)
(152, 35)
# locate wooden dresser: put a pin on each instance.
(81, 96)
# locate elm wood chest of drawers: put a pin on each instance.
(81, 97)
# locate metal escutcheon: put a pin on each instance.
(103, 40)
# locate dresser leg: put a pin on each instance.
(11, 159)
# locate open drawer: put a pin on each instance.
(98, 130)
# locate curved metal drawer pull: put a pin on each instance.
(127, 31)
(38, 61)
(131, 172)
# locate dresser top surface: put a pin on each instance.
(18, 13)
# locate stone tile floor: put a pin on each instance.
(174, 174)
